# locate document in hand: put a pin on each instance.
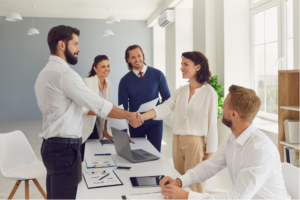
(101, 179)
(147, 106)
(119, 124)
(100, 161)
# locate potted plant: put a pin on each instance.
(214, 83)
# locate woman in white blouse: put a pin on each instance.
(195, 108)
(93, 126)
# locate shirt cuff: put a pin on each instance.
(156, 113)
(185, 180)
(106, 108)
(194, 195)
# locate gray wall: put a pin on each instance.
(22, 57)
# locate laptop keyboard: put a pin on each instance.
(136, 156)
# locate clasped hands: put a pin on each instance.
(170, 189)
(135, 120)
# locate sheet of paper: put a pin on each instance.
(119, 124)
(146, 196)
(100, 161)
(147, 106)
(101, 179)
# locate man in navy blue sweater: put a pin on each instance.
(142, 84)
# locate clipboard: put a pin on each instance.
(92, 179)
(98, 161)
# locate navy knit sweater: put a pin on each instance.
(136, 91)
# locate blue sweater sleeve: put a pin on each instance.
(123, 94)
(163, 88)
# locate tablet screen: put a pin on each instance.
(145, 181)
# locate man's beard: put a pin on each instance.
(70, 58)
(227, 122)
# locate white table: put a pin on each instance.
(156, 167)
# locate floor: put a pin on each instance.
(31, 128)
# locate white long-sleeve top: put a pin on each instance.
(60, 94)
(195, 117)
(253, 163)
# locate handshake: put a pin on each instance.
(135, 119)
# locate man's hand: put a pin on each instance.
(106, 135)
(174, 192)
(207, 156)
(136, 120)
(169, 181)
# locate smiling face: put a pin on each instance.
(72, 50)
(136, 59)
(188, 68)
(102, 69)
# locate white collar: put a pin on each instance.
(59, 59)
(242, 139)
(143, 70)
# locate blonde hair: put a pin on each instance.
(244, 101)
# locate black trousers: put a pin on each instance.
(62, 159)
(153, 130)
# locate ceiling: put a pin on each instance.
(87, 9)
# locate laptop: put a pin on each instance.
(122, 146)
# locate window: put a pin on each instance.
(271, 50)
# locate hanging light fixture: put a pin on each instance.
(13, 16)
(113, 18)
(33, 31)
(107, 32)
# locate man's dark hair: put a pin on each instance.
(203, 75)
(58, 33)
(97, 59)
(127, 55)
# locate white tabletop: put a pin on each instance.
(150, 168)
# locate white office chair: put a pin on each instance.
(18, 162)
(291, 179)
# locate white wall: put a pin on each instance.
(159, 48)
(236, 43)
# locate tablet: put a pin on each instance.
(146, 181)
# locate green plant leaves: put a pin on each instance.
(214, 83)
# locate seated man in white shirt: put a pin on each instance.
(251, 157)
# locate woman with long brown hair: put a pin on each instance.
(195, 108)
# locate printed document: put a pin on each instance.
(147, 106)
(119, 124)
(101, 179)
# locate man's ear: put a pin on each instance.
(61, 45)
(234, 114)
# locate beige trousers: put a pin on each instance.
(189, 151)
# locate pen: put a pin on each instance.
(102, 154)
(104, 176)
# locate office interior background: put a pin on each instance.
(245, 41)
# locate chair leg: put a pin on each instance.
(40, 188)
(14, 189)
(26, 189)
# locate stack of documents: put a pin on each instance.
(100, 161)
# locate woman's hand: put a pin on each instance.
(130, 140)
(207, 156)
(106, 135)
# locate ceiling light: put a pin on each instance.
(33, 31)
(107, 32)
(14, 17)
(113, 19)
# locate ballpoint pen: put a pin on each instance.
(102, 154)
(104, 176)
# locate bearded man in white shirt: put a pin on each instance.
(61, 94)
(251, 157)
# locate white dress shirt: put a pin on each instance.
(60, 94)
(253, 163)
(137, 72)
(195, 117)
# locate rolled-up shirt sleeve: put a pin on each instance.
(212, 134)
(168, 107)
(74, 87)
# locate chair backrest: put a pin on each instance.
(15, 152)
(291, 179)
